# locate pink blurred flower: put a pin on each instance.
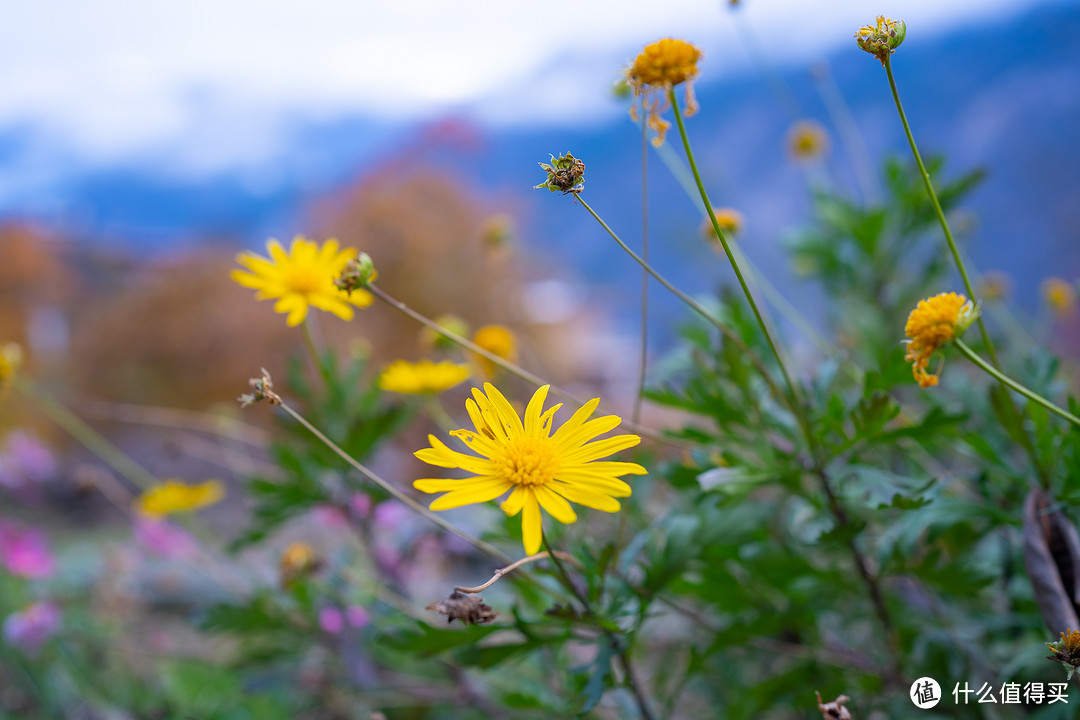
(330, 516)
(30, 627)
(163, 538)
(356, 616)
(331, 620)
(360, 505)
(390, 514)
(25, 552)
(25, 461)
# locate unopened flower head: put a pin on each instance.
(424, 377)
(297, 561)
(882, 38)
(173, 496)
(498, 340)
(807, 140)
(1066, 651)
(1059, 295)
(538, 467)
(933, 324)
(660, 67)
(565, 174)
(730, 221)
(301, 278)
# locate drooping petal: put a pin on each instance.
(597, 483)
(588, 431)
(614, 468)
(532, 530)
(475, 493)
(601, 448)
(556, 506)
(587, 497)
(442, 456)
(513, 504)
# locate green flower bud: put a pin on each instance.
(565, 173)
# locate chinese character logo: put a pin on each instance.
(925, 693)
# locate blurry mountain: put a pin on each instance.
(1004, 95)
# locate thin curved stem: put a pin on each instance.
(984, 335)
(694, 305)
(505, 364)
(1012, 384)
(796, 402)
(644, 351)
(512, 567)
(397, 494)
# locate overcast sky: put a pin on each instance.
(111, 79)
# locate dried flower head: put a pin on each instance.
(882, 39)
(730, 221)
(807, 140)
(173, 496)
(498, 340)
(933, 324)
(300, 278)
(358, 273)
(541, 469)
(1066, 651)
(660, 67)
(1059, 295)
(262, 388)
(835, 709)
(468, 608)
(565, 173)
(424, 377)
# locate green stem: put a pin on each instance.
(90, 438)
(796, 404)
(644, 351)
(313, 352)
(1012, 409)
(694, 305)
(1012, 384)
(408, 501)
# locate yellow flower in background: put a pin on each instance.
(296, 561)
(933, 324)
(729, 220)
(543, 470)
(1060, 295)
(10, 363)
(660, 67)
(995, 285)
(431, 339)
(173, 496)
(402, 376)
(807, 140)
(498, 340)
(300, 278)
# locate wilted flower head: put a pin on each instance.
(882, 39)
(1059, 295)
(25, 551)
(540, 469)
(660, 67)
(424, 377)
(29, 628)
(173, 496)
(262, 388)
(730, 221)
(498, 340)
(933, 324)
(566, 173)
(301, 278)
(1066, 651)
(467, 607)
(807, 140)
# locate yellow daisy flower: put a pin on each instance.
(933, 324)
(425, 376)
(660, 67)
(498, 340)
(542, 469)
(1060, 295)
(303, 276)
(807, 140)
(173, 496)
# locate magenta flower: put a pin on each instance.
(30, 627)
(163, 538)
(356, 616)
(25, 552)
(24, 462)
(331, 620)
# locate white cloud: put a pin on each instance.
(212, 79)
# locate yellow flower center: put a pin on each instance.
(528, 461)
(665, 63)
(306, 279)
